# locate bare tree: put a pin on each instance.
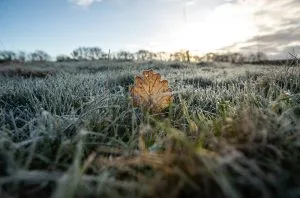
(235, 57)
(75, 54)
(87, 53)
(63, 58)
(7, 56)
(39, 56)
(256, 57)
(196, 58)
(95, 53)
(261, 56)
(227, 57)
(79, 53)
(143, 55)
(182, 55)
(125, 55)
(161, 55)
(21, 56)
(177, 56)
(210, 56)
(152, 56)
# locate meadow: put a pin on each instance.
(70, 130)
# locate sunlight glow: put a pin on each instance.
(227, 24)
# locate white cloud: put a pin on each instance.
(277, 22)
(84, 3)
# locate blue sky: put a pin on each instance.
(59, 26)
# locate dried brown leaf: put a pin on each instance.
(151, 92)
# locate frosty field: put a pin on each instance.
(70, 130)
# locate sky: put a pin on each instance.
(59, 26)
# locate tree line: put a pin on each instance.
(96, 53)
(21, 56)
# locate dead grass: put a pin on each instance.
(25, 72)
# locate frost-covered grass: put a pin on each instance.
(232, 131)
